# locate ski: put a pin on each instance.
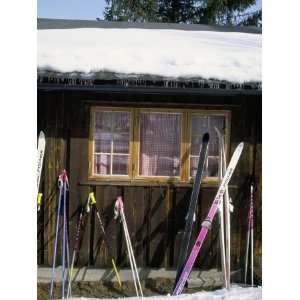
(226, 205)
(206, 224)
(192, 206)
(92, 203)
(119, 211)
(221, 224)
(40, 159)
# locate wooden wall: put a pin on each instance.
(155, 214)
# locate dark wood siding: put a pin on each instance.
(155, 214)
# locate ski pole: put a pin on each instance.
(250, 238)
(60, 185)
(92, 202)
(39, 201)
(251, 226)
(64, 236)
(76, 245)
(247, 252)
(131, 253)
(119, 210)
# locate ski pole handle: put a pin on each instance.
(39, 199)
(92, 198)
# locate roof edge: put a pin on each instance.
(47, 23)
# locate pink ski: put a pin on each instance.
(206, 225)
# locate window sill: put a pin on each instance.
(147, 183)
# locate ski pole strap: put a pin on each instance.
(39, 198)
(63, 178)
(118, 207)
(206, 223)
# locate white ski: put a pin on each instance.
(222, 229)
(40, 159)
(227, 209)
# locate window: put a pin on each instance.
(160, 140)
(162, 145)
(111, 140)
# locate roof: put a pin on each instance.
(89, 53)
(44, 23)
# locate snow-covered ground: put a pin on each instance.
(235, 293)
(230, 56)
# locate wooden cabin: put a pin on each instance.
(138, 136)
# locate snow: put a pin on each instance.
(231, 56)
(235, 293)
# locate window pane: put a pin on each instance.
(103, 121)
(102, 142)
(200, 125)
(212, 166)
(121, 122)
(219, 122)
(102, 164)
(195, 145)
(120, 165)
(160, 138)
(121, 143)
(193, 165)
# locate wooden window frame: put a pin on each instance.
(91, 143)
(134, 144)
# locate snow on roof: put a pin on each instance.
(230, 56)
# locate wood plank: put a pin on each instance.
(140, 198)
(180, 208)
(105, 197)
(158, 221)
(78, 194)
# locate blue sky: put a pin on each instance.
(75, 9)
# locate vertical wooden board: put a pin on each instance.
(158, 222)
(140, 198)
(106, 196)
(130, 214)
(54, 162)
(180, 207)
(83, 255)
(78, 162)
(99, 249)
(238, 227)
(205, 256)
(168, 229)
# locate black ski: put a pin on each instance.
(192, 207)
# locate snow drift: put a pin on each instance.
(230, 56)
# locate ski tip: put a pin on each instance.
(205, 138)
(241, 145)
(217, 131)
(42, 135)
